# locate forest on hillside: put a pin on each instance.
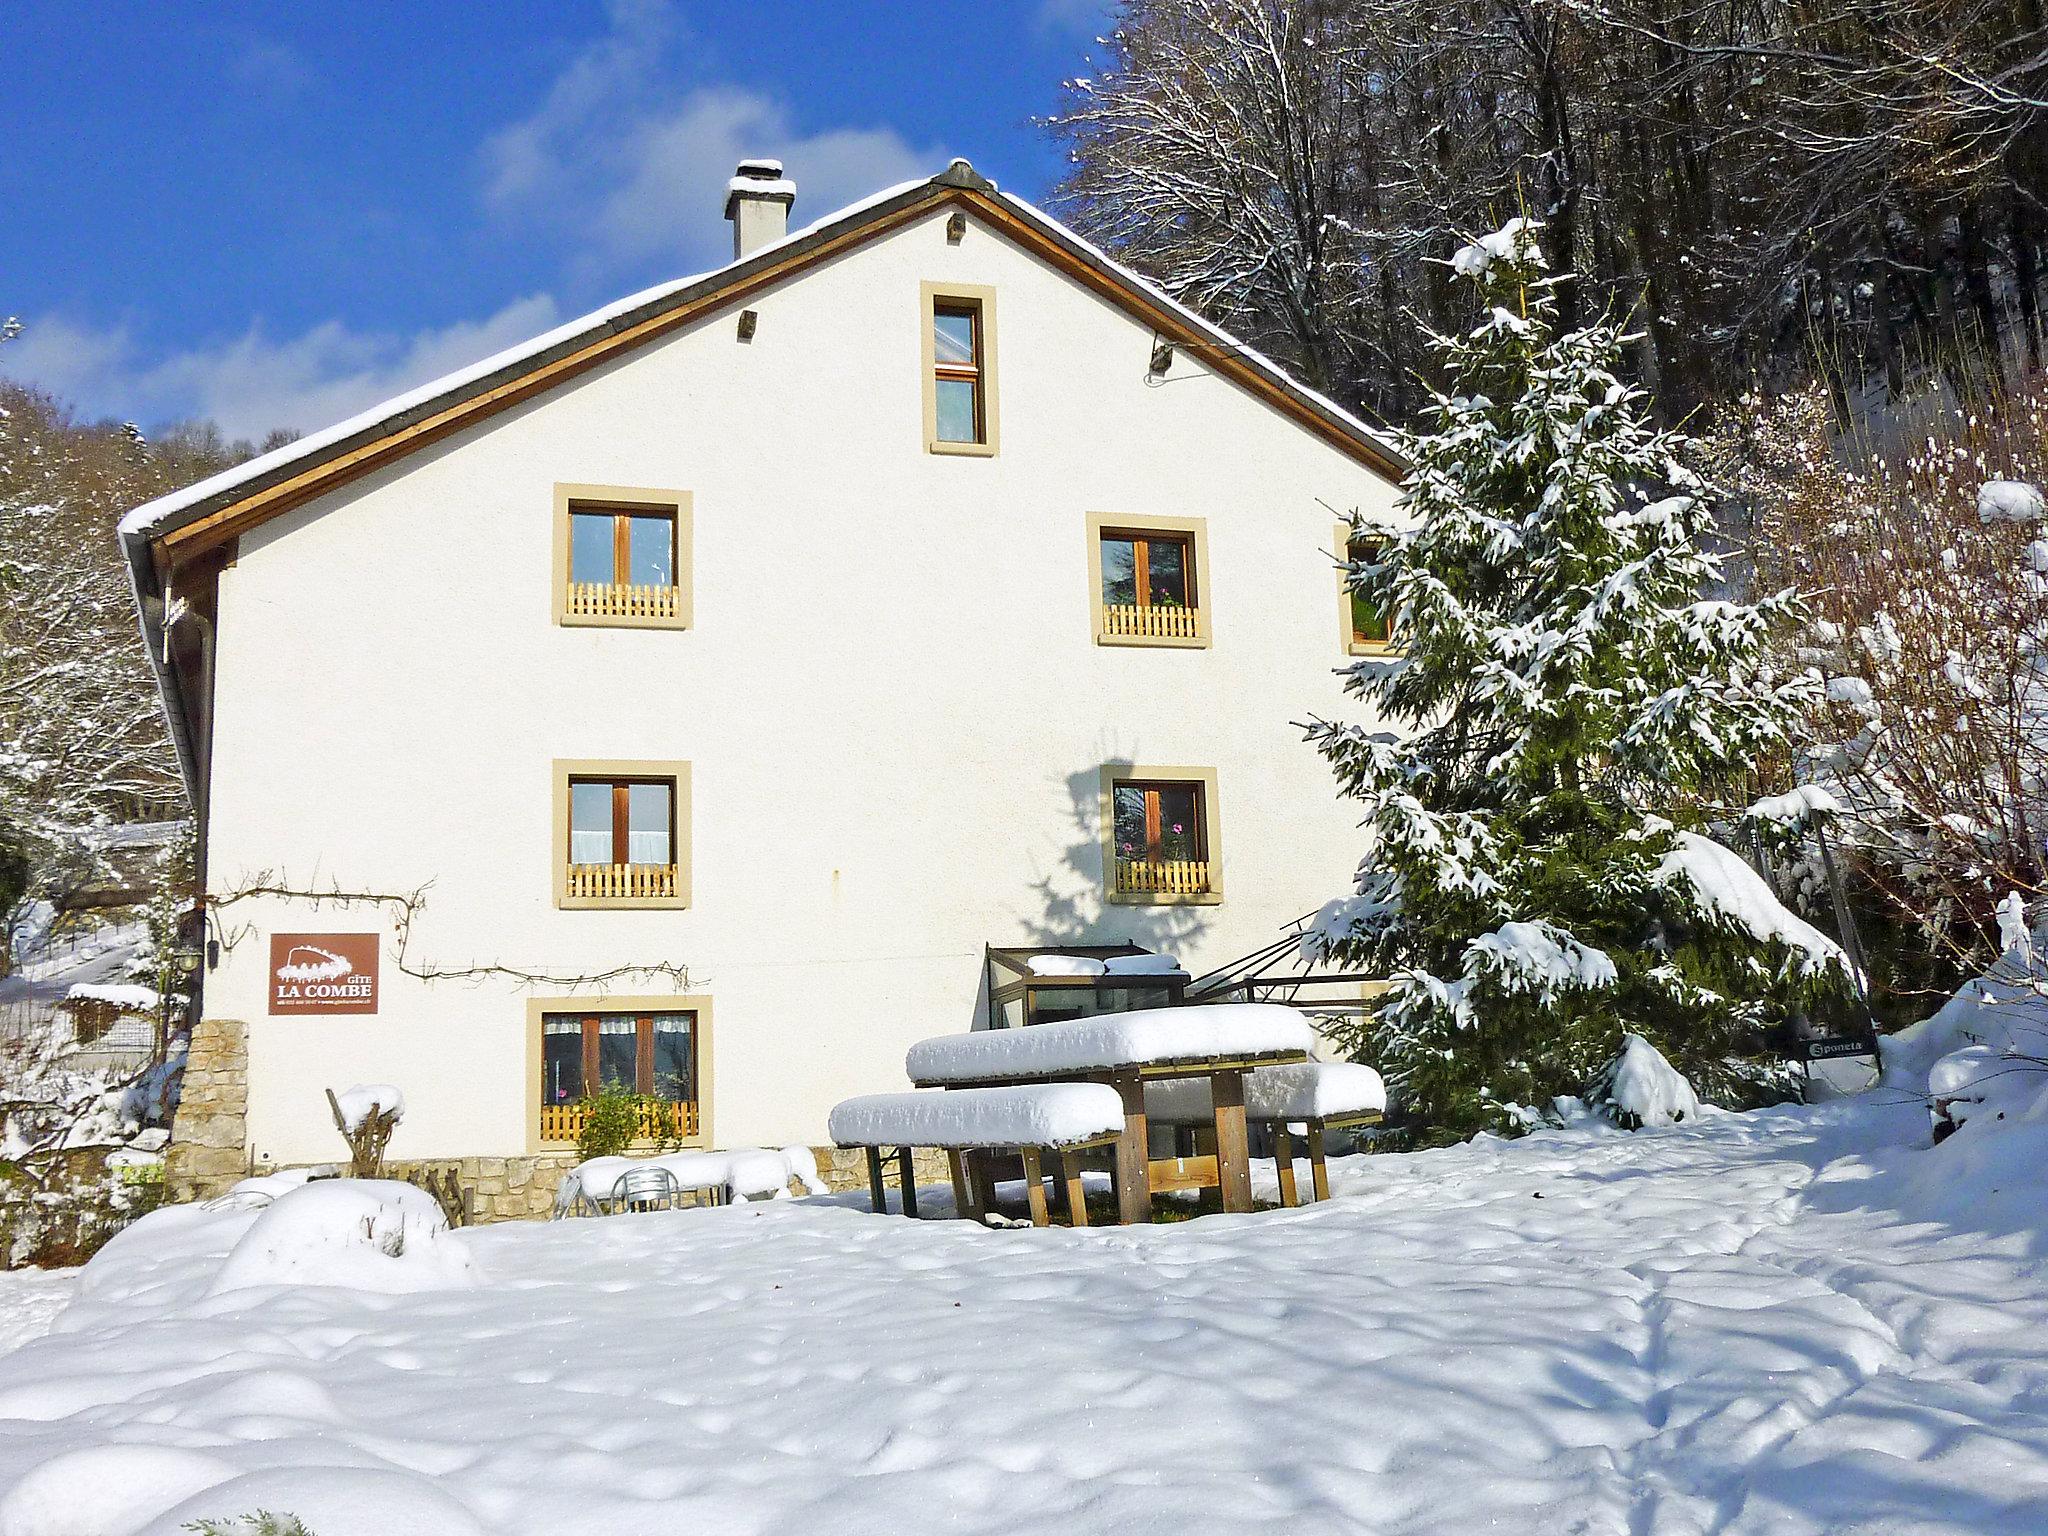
(1765, 190)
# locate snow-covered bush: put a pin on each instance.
(1983, 1056)
(1640, 1088)
(1927, 566)
(366, 1234)
(1568, 693)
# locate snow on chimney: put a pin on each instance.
(757, 202)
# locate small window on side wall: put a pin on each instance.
(1160, 835)
(621, 834)
(1368, 626)
(959, 370)
(622, 557)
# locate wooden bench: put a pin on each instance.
(1030, 1121)
(1317, 1096)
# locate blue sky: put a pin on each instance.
(278, 214)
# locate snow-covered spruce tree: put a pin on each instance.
(1563, 695)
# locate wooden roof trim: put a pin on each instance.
(236, 516)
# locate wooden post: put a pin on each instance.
(963, 1198)
(1315, 1160)
(981, 1180)
(1133, 1155)
(1070, 1176)
(909, 1178)
(1283, 1160)
(876, 1195)
(1233, 1152)
(1034, 1187)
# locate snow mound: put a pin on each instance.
(1040, 1115)
(1727, 887)
(358, 1101)
(363, 1234)
(1142, 1036)
(2004, 1010)
(105, 1490)
(1639, 1088)
(2010, 501)
(329, 1501)
(253, 1194)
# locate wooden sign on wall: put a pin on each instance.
(323, 972)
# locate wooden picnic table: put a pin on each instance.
(1149, 1057)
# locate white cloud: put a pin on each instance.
(629, 173)
(1087, 17)
(256, 382)
(617, 169)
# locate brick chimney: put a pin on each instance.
(757, 202)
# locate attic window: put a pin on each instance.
(959, 370)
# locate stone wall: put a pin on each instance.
(499, 1188)
(209, 1138)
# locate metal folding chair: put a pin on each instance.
(646, 1189)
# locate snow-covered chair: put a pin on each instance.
(1027, 1119)
(1317, 1096)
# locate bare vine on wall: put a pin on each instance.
(403, 908)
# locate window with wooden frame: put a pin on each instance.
(959, 369)
(621, 830)
(1368, 626)
(653, 1054)
(622, 557)
(1160, 842)
(1148, 575)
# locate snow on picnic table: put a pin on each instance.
(1038, 1115)
(1111, 1040)
(1782, 1322)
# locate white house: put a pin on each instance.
(694, 696)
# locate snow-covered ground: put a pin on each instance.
(1800, 1320)
(30, 1300)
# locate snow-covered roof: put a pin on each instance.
(125, 995)
(155, 516)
